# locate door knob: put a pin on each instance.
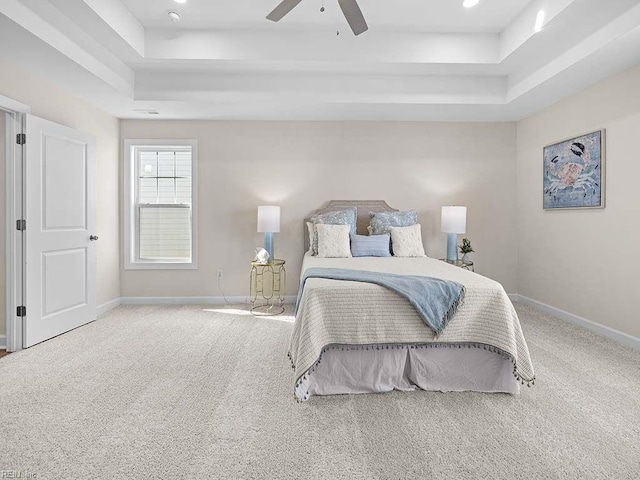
(93, 238)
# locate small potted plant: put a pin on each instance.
(466, 249)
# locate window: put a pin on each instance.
(160, 215)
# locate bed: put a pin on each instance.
(353, 337)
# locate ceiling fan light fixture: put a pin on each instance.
(174, 16)
(350, 9)
(470, 3)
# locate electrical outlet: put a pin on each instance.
(220, 274)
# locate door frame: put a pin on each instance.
(15, 114)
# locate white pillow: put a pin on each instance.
(310, 230)
(407, 241)
(333, 241)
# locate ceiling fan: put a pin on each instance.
(350, 8)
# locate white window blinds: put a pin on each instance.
(163, 204)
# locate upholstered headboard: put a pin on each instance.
(363, 206)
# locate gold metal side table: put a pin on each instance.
(267, 287)
(459, 263)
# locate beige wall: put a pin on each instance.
(53, 103)
(577, 260)
(301, 165)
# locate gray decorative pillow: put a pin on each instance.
(381, 222)
(341, 217)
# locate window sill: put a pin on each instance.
(161, 266)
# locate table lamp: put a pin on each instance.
(454, 221)
(269, 223)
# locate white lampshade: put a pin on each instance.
(454, 219)
(269, 219)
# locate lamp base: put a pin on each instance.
(268, 245)
(452, 247)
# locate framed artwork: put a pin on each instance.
(573, 173)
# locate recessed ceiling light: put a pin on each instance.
(174, 16)
(470, 3)
(539, 21)
(180, 1)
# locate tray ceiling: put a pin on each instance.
(420, 60)
(413, 15)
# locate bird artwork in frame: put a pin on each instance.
(574, 172)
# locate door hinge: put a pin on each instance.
(21, 138)
(22, 311)
(21, 225)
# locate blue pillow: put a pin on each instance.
(370, 245)
(348, 216)
(381, 222)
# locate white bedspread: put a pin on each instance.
(355, 314)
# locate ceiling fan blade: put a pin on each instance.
(281, 10)
(354, 16)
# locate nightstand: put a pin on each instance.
(461, 264)
(267, 287)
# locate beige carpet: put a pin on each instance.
(190, 392)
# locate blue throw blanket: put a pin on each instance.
(434, 299)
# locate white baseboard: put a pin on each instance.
(612, 333)
(110, 305)
(192, 300)
(3, 342)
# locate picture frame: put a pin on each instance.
(574, 172)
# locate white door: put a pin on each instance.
(59, 239)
